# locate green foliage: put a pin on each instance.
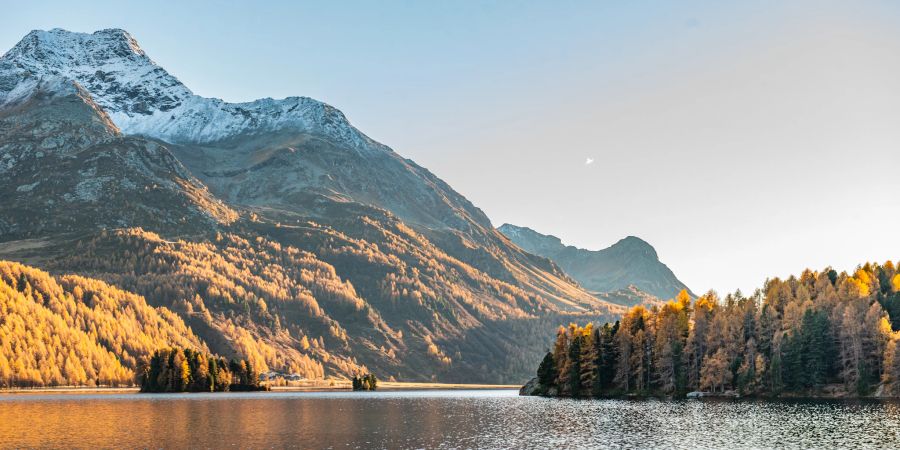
(605, 359)
(573, 372)
(547, 373)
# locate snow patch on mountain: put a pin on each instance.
(27, 187)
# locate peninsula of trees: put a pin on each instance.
(820, 334)
(186, 370)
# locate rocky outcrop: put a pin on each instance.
(532, 387)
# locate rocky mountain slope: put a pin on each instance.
(631, 262)
(630, 296)
(274, 229)
(65, 164)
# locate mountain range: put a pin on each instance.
(274, 229)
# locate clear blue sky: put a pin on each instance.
(742, 140)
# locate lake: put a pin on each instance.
(434, 419)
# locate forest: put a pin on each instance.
(822, 334)
(76, 331)
(276, 306)
(186, 370)
(318, 303)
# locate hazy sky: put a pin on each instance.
(742, 140)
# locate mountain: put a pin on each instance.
(631, 262)
(274, 229)
(291, 155)
(262, 152)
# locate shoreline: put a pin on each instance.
(310, 386)
(69, 390)
(394, 386)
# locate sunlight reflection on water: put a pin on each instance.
(435, 419)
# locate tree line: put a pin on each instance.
(820, 334)
(186, 370)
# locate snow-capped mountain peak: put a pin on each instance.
(99, 45)
(108, 63)
(143, 98)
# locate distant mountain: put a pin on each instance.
(631, 262)
(274, 229)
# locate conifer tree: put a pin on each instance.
(546, 373)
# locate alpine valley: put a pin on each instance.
(136, 215)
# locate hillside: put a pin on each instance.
(629, 262)
(72, 330)
(630, 296)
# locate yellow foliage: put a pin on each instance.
(859, 284)
(707, 302)
(683, 299)
(76, 331)
(845, 316)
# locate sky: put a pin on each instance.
(743, 140)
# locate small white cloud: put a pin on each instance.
(589, 161)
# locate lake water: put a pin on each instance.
(434, 419)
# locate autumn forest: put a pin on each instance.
(820, 334)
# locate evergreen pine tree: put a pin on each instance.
(547, 373)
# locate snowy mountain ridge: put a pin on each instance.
(143, 98)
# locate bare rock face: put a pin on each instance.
(532, 387)
(109, 63)
(629, 263)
